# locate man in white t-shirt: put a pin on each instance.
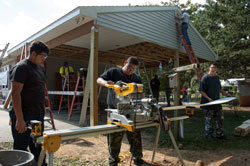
(184, 25)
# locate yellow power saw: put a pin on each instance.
(124, 89)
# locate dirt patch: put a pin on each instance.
(95, 148)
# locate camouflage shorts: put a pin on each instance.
(211, 117)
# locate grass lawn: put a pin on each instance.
(194, 134)
(194, 138)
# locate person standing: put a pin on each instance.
(168, 91)
(125, 74)
(189, 94)
(210, 89)
(184, 25)
(28, 97)
(155, 86)
(65, 71)
(184, 93)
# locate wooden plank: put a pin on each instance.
(176, 93)
(93, 77)
(242, 130)
(71, 35)
(181, 68)
(85, 101)
(247, 121)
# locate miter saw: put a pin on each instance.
(132, 109)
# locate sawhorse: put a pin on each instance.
(171, 137)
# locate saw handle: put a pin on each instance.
(112, 86)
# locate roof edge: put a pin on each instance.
(61, 20)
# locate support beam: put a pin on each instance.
(93, 76)
(176, 92)
(71, 35)
(85, 101)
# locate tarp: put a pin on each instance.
(3, 78)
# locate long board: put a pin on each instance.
(219, 101)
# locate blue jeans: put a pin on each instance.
(24, 140)
(184, 28)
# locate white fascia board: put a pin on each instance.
(93, 11)
(48, 28)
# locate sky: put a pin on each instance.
(19, 19)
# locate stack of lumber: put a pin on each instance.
(243, 129)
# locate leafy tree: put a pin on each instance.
(225, 24)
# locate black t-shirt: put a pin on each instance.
(155, 84)
(115, 74)
(33, 79)
(211, 86)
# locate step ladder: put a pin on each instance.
(50, 120)
(48, 108)
(190, 53)
(81, 75)
(142, 67)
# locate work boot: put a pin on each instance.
(210, 137)
(140, 162)
(223, 137)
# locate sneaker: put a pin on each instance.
(210, 137)
(140, 162)
(223, 137)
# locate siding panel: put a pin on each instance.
(155, 26)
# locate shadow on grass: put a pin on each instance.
(194, 137)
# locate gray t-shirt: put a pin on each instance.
(211, 86)
(185, 17)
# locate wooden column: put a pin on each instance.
(93, 76)
(85, 101)
(176, 92)
(91, 87)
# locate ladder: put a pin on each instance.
(80, 76)
(3, 53)
(141, 63)
(47, 104)
(190, 53)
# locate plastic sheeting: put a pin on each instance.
(4, 78)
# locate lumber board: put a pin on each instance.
(242, 130)
(247, 121)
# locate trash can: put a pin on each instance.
(244, 92)
(16, 158)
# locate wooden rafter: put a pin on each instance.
(151, 54)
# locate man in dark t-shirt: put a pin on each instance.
(155, 86)
(210, 89)
(125, 74)
(28, 97)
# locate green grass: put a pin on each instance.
(194, 134)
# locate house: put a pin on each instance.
(111, 33)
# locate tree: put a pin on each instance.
(225, 25)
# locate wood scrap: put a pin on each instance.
(242, 130)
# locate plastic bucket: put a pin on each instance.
(16, 158)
